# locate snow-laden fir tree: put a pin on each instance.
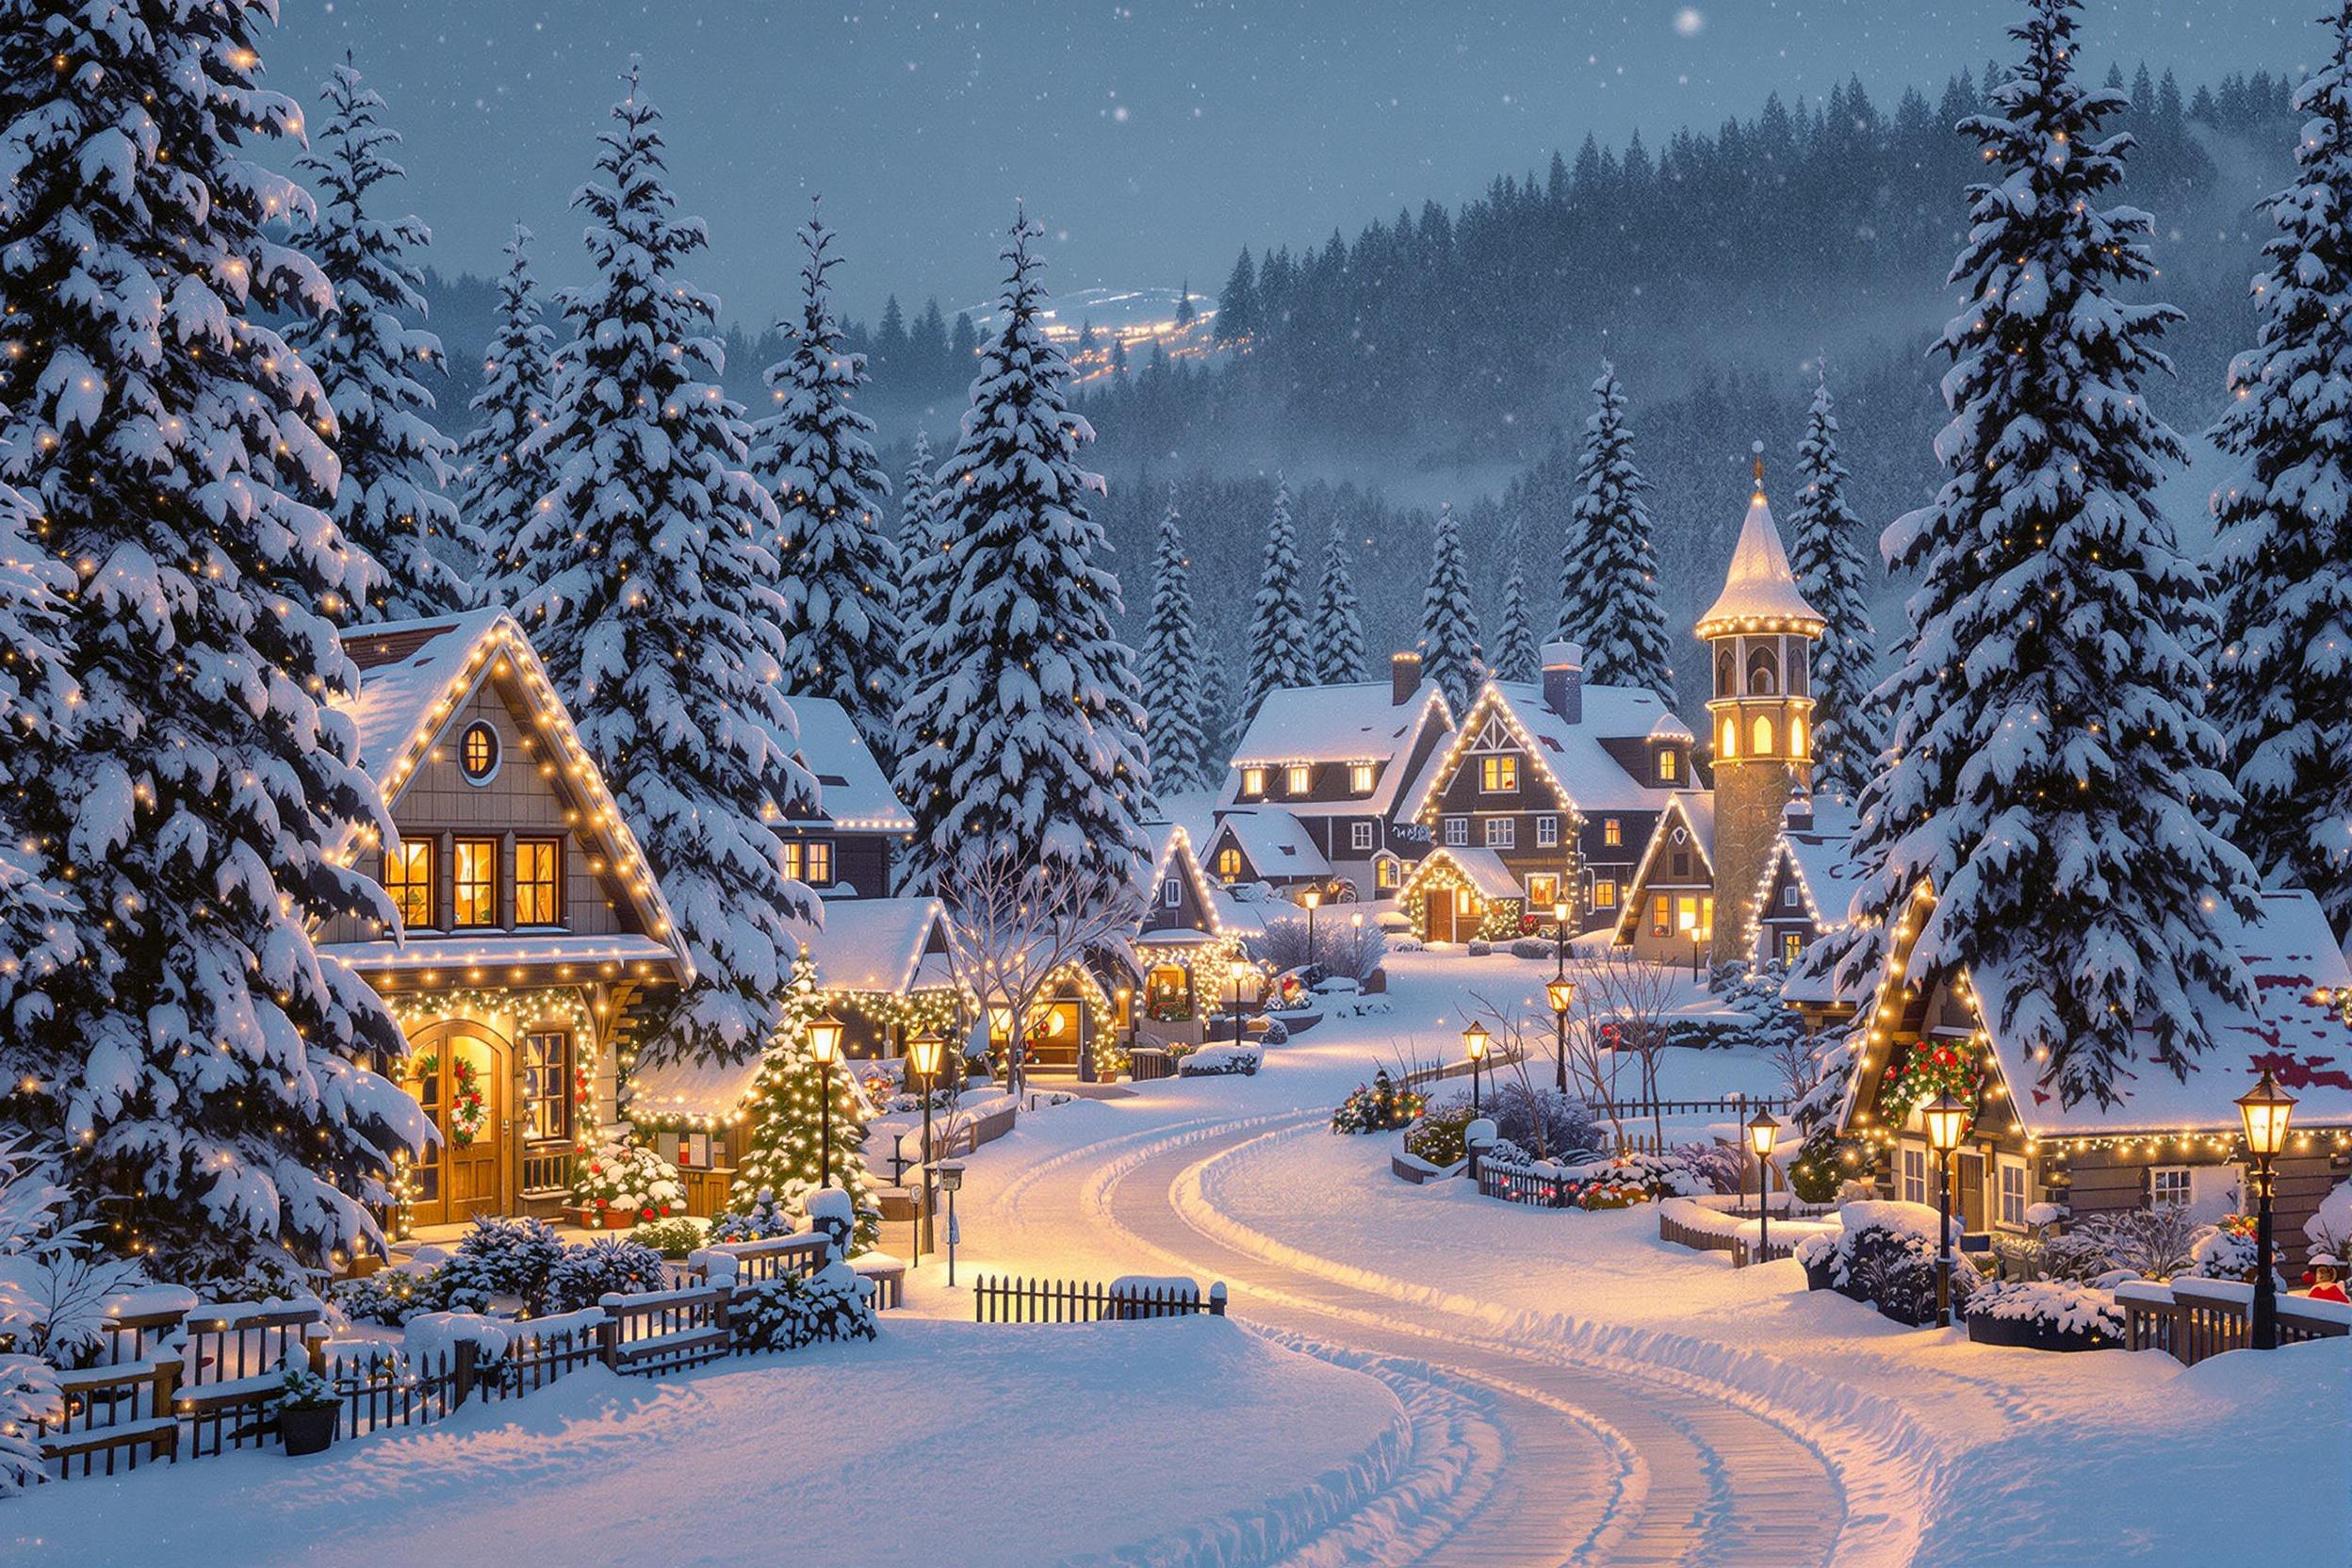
(1449, 634)
(392, 501)
(2282, 684)
(1826, 556)
(1025, 721)
(656, 609)
(1172, 655)
(500, 479)
(201, 1063)
(1337, 642)
(2051, 769)
(1220, 734)
(1280, 654)
(1516, 655)
(1608, 568)
(838, 566)
(925, 584)
(785, 1157)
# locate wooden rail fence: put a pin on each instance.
(2192, 1319)
(1000, 1300)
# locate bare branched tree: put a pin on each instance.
(1622, 1004)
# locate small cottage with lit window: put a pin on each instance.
(1668, 914)
(529, 929)
(1187, 945)
(1808, 880)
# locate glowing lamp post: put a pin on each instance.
(1309, 898)
(1242, 969)
(1690, 929)
(1945, 1116)
(1561, 993)
(951, 1182)
(923, 1055)
(2266, 1109)
(1763, 1132)
(824, 1044)
(1474, 1041)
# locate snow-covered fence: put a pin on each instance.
(2190, 1318)
(750, 1262)
(1712, 1225)
(229, 1357)
(661, 1331)
(113, 1417)
(1000, 1300)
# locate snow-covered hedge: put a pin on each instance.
(791, 1311)
(1213, 1061)
(1885, 1255)
(606, 1264)
(624, 1182)
(756, 1219)
(2051, 1310)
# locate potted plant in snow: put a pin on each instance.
(307, 1410)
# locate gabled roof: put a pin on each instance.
(878, 945)
(1355, 721)
(1760, 590)
(1692, 810)
(1171, 848)
(1275, 843)
(1481, 868)
(1820, 856)
(414, 679)
(852, 790)
(1570, 758)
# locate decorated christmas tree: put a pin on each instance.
(1450, 637)
(201, 1063)
(840, 569)
(2282, 684)
(500, 476)
(391, 500)
(786, 1155)
(655, 607)
(2051, 769)
(1338, 640)
(1279, 656)
(1608, 569)
(1826, 556)
(1173, 656)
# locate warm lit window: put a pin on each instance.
(1254, 781)
(1791, 946)
(1360, 835)
(408, 878)
(1661, 916)
(1543, 892)
(1614, 831)
(475, 882)
(794, 862)
(1457, 831)
(1669, 765)
(1731, 737)
(548, 1085)
(1763, 735)
(478, 752)
(538, 882)
(1386, 873)
(1499, 774)
(1502, 832)
(1605, 895)
(1299, 781)
(1360, 778)
(820, 862)
(1796, 736)
(1546, 832)
(1229, 863)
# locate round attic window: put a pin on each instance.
(477, 753)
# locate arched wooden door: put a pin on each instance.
(462, 1073)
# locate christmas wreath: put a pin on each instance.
(469, 1108)
(1933, 1067)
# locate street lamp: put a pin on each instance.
(1474, 1041)
(923, 1055)
(1312, 897)
(2266, 1109)
(1242, 967)
(951, 1180)
(824, 1044)
(1559, 937)
(1945, 1116)
(1561, 993)
(1691, 928)
(1763, 1132)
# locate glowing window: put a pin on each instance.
(1614, 831)
(475, 882)
(1762, 733)
(408, 878)
(478, 752)
(1731, 737)
(1360, 778)
(1796, 736)
(538, 882)
(1605, 895)
(1254, 781)
(1669, 765)
(1229, 863)
(1301, 781)
(820, 862)
(1499, 774)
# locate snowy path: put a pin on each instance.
(1552, 1461)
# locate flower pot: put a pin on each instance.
(601, 1220)
(309, 1429)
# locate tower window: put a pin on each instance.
(1763, 670)
(1726, 671)
(1762, 734)
(1796, 736)
(1731, 737)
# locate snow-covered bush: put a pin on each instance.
(389, 1295)
(1341, 948)
(1437, 1136)
(299, 1387)
(607, 1263)
(2329, 1230)
(2227, 1251)
(673, 1238)
(791, 1311)
(1216, 1061)
(1533, 947)
(1886, 1255)
(624, 1182)
(1667, 1175)
(2150, 1244)
(1557, 1126)
(1723, 1168)
(1378, 1106)
(831, 1211)
(503, 1257)
(758, 1219)
(1478, 948)
(1821, 1166)
(2053, 1307)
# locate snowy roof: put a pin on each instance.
(1357, 721)
(492, 952)
(1579, 766)
(1671, 727)
(672, 1087)
(406, 667)
(1759, 587)
(2289, 954)
(1822, 856)
(876, 944)
(1171, 845)
(1483, 868)
(852, 790)
(1690, 809)
(1274, 840)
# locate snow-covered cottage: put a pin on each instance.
(529, 925)
(1668, 913)
(1314, 797)
(1808, 879)
(1191, 935)
(843, 843)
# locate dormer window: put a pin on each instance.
(1300, 780)
(1229, 864)
(1254, 781)
(1499, 774)
(1668, 767)
(1360, 778)
(1614, 831)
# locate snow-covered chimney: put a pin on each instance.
(1797, 816)
(1404, 677)
(1563, 680)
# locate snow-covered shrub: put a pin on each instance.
(1555, 1125)
(624, 1182)
(1216, 1061)
(2330, 1229)
(257, 1279)
(607, 1263)
(1378, 1106)
(1886, 1255)
(1437, 1136)
(1478, 948)
(1667, 1175)
(503, 1257)
(1275, 1033)
(673, 1238)
(831, 1211)
(2054, 1307)
(2150, 1244)
(1821, 1166)
(1341, 948)
(2227, 1251)
(299, 1387)
(1533, 947)
(756, 1220)
(791, 1311)
(1723, 1168)
(389, 1295)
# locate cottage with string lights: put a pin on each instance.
(1189, 947)
(531, 931)
(1808, 879)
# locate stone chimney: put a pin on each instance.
(1404, 677)
(1797, 816)
(1563, 680)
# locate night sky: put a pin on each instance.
(1152, 140)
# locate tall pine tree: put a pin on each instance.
(1279, 656)
(1450, 637)
(1219, 733)
(2282, 685)
(1172, 655)
(1608, 569)
(839, 567)
(2050, 766)
(1516, 655)
(1026, 706)
(500, 478)
(391, 501)
(1849, 731)
(1338, 636)
(198, 1067)
(656, 609)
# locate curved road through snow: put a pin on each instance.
(1522, 1456)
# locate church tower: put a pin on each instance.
(1761, 634)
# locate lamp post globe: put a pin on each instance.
(1763, 1132)
(1946, 1117)
(2267, 1110)
(1473, 1042)
(824, 1047)
(1309, 898)
(923, 1055)
(1562, 994)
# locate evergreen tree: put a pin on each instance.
(1279, 656)
(1608, 569)
(1848, 730)
(1449, 642)
(1338, 638)
(655, 607)
(1517, 657)
(840, 570)
(2050, 760)
(2282, 686)
(1172, 654)
(1026, 705)
(1219, 733)
(391, 500)
(500, 478)
(786, 1153)
(199, 1066)
(1238, 307)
